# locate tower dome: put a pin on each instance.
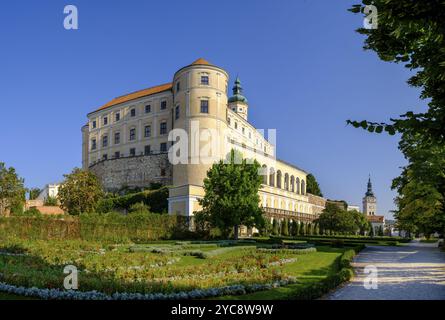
(237, 93)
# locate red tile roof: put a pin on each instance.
(380, 219)
(148, 91)
(136, 95)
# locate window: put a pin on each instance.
(163, 147)
(177, 112)
(236, 125)
(93, 124)
(133, 112)
(147, 150)
(132, 134)
(105, 121)
(148, 108)
(104, 156)
(105, 141)
(205, 80)
(204, 106)
(178, 86)
(163, 128)
(93, 144)
(147, 131)
(132, 152)
(117, 138)
(228, 121)
(117, 116)
(163, 105)
(117, 154)
(242, 130)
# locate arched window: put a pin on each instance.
(292, 184)
(264, 172)
(303, 187)
(297, 185)
(278, 179)
(272, 177)
(286, 181)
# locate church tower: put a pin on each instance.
(369, 201)
(238, 102)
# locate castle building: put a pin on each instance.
(130, 141)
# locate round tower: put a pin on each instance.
(200, 110)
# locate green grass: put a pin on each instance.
(309, 269)
(429, 240)
(7, 296)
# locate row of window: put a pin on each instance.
(204, 109)
(132, 135)
(204, 81)
(132, 151)
(117, 115)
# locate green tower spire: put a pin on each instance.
(237, 92)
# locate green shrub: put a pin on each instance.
(113, 227)
(156, 200)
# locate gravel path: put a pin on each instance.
(415, 271)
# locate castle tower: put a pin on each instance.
(369, 201)
(238, 102)
(200, 110)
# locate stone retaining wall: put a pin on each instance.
(137, 171)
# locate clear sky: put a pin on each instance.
(301, 64)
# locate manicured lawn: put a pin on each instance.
(169, 266)
(6, 296)
(308, 269)
(429, 241)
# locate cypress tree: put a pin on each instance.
(275, 228)
(285, 228)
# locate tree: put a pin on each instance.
(51, 201)
(302, 229)
(380, 231)
(285, 228)
(80, 192)
(12, 191)
(371, 230)
(312, 185)
(336, 219)
(296, 229)
(275, 228)
(412, 32)
(231, 195)
(360, 221)
(34, 193)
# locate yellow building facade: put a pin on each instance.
(131, 141)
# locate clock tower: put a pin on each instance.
(369, 201)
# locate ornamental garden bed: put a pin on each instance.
(165, 270)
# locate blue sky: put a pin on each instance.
(301, 64)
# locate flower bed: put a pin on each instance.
(106, 269)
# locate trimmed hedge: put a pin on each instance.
(318, 289)
(111, 227)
